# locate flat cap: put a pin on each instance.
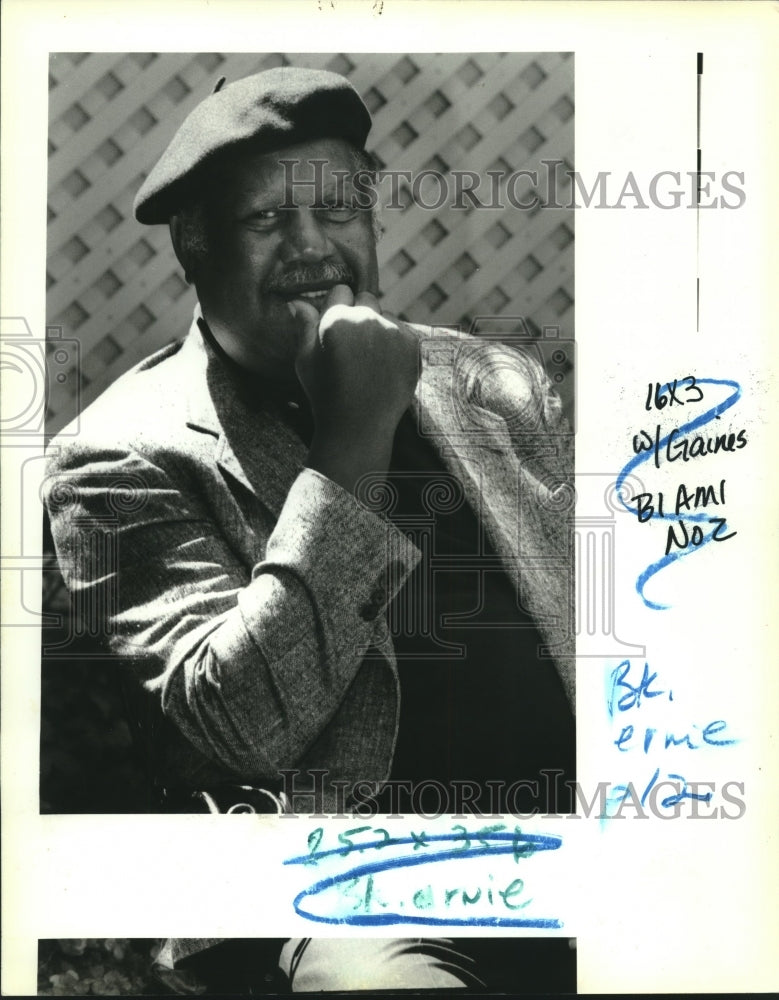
(276, 108)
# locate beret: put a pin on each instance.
(267, 111)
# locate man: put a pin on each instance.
(286, 464)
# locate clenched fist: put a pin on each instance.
(359, 371)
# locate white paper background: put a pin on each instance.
(655, 905)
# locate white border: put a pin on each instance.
(656, 906)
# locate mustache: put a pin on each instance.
(326, 272)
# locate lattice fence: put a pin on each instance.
(116, 288)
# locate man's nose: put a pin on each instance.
(304, 239)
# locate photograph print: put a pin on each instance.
(308, 505)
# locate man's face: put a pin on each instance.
(261, 256)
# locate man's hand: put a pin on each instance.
(359, 371)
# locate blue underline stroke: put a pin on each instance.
(700, 421)
(387, 919)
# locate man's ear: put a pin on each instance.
(189, 236)
(177, 228)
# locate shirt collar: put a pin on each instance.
(260, 394)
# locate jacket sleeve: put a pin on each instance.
(249, 663)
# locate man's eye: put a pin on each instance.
(338, 212)
(263, 219)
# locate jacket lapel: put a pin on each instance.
(254, 447)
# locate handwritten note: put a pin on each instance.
(647, 731)
(469, 875)
(694, 509)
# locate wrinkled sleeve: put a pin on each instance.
(250, 663)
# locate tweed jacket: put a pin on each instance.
(245, 589)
